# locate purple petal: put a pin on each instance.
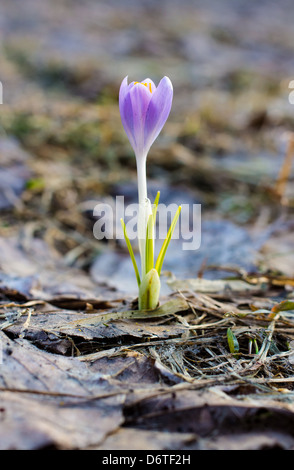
(150, 83)
(158, 111)
(123, 89)
(126, 111)
(140, 97)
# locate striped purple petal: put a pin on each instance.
(158, 110)
(140, 97)
(126, 110)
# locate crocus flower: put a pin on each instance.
(144, 109)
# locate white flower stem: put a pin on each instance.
(142, 181)
(144, 209)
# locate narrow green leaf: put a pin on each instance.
(131, 252)
(232, 342)
(162, 252)
(154, 211)
(255, 346)
(149, 246)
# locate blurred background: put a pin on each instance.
(63, 148)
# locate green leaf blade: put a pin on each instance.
(232, 342)
(149, 247)
(160, 259)
(155, 205)
(131, 252)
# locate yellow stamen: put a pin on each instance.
(148, 85)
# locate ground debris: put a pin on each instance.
(149, 371)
